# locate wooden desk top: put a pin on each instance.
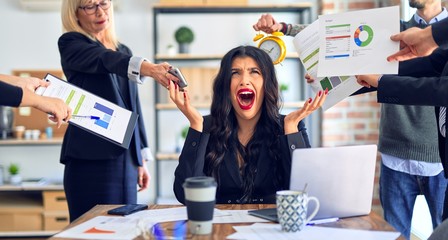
(369, 222)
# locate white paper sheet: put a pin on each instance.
(103, 227)
(130, 226)
(169, 214)
(261, 231)
(307, 46)
(358, 42)
(237, 216)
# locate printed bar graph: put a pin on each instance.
(105, 119)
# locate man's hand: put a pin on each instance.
(414, 42)
(368, 80)
(267, 24)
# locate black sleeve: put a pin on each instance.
(296, 140)
(10, 95)
(191, 161)
(430, 91)
(440, 32)
(430, 66)
(81, 54)
(288, 143)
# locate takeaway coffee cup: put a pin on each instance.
(292, 209)
(200, 201)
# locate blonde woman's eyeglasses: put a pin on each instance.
(91, 9)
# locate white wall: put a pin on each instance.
(29, 41)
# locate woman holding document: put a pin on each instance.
(96, 170)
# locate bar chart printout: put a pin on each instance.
(106, 115)
(115, 124)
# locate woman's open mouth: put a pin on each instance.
(246, 98)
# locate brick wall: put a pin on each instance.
(355, 120)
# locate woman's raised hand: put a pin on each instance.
(182, 101)
(293, 118)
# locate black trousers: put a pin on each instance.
(91, 182)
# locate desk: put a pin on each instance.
(369, 222)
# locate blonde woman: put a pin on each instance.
(98, 171)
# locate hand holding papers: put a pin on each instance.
(336, 47)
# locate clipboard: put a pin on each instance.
(110, 121)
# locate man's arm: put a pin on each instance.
(30, 83)
(430, 91)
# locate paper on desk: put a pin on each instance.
(128, 227)
(307, 46)
(103, 227)
(168, 214)
(236, 216)
(260, 231)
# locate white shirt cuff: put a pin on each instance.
(134, 67)
(147, 154)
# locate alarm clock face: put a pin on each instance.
(273, 47)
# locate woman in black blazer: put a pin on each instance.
(245, 143)
(98, 171)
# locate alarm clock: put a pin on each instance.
(273, 45)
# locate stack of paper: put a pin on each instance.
(260, 231)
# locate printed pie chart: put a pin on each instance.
(361, 40)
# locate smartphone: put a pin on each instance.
(127, 209)
(177, 73)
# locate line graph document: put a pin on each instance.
(114, 123)
(307, 46)
(358, 42)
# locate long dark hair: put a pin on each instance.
(223, 133)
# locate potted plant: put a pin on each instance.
(184, 36)
(181, 139)
(14, 176)
(171, 51)
(283, 89)
(185, 132)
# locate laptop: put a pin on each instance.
(342, 178)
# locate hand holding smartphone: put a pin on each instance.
(182, 83)
(127, 209)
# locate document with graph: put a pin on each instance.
(94, 114)
(339, 87)
(358, 42)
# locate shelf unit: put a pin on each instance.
(302, 11)
(21, 142)
(32, 210)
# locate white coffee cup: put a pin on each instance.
(292, 209)
(200, 197)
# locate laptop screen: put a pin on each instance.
(342, 178)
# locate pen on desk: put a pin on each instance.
(320, 221)
(86, 116)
